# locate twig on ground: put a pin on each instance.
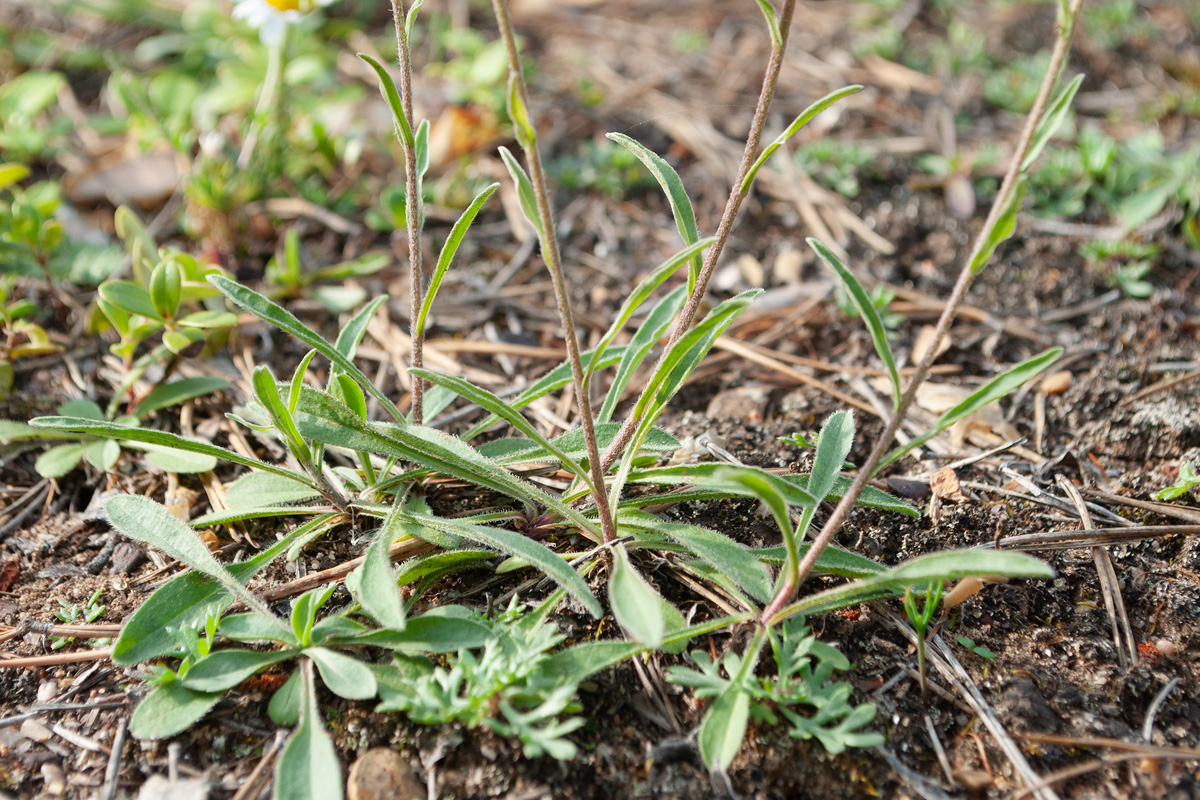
(109, 789)
(1072, 540)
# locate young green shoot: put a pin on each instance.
(920, 622)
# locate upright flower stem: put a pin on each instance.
(1058, 58)
(732, 205)
(550, 253)
(412, 213)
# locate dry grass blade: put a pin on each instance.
(1114, 604)
(1071, 540)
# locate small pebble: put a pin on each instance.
(1166, 648)
(1057, 383)
(745, 403)
(382, 774)
(55, 778)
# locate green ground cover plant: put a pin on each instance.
(345, 469)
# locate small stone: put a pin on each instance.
(55, 778)
(1057, 383)
(975, 781)
(126, 557)
(35, 730)
(382, 774)
(751, 269)
(1028, 708)
(745, 403)
(1166, 648)
(787, 267)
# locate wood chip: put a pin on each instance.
(944, 484)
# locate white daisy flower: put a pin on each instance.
(271, 17)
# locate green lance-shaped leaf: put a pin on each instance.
(637, 607)
(387, 87)
(643, 290)
(324, 419)
(411, 18)
(772, 18)
(724, 727)
(1000, 386)
(221, 670)
(677, 197)
(281, 415)
(514, 544)
(833, 560)
(448, 250)
(129, 297)
(293, 395)
(490, 402)
(376, 585)
(525, 191)
(951, 565)
(768, 492)
(1051, 121)
(187, 600)
(725, 555)
(144, 520)
(284, 708)
(308, 767)
(345, 676)
(111, 430)
(799, 122)
(685, 355)
(648, 334)
(257, 489)
(1006, 223)
(171, 394)
(522, 126)
(866, 309)
(351, 335)
(281, 318)
(552, 381)
(677, 364)
(165, 286)
(721, 477)
(170, 709)
(833, 445)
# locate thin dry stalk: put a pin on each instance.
(553, 259)
(413, 202)
(842, 510)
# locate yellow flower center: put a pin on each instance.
(286, 5)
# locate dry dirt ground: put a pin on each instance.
(1120, 430)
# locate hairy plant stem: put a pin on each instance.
(688, 315)
(412, 215)
(553, 259)
(776, 611)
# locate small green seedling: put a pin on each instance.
(978, 650)
(920, 622)
(90, 612)
(1187, 481)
